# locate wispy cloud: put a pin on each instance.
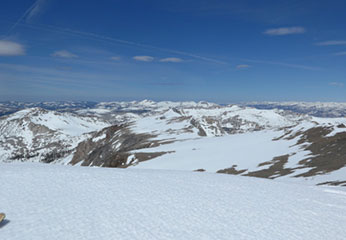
(33, 73)
(290, 65)
(98, 37)
(336, 84)
(167, 83)
(332, 43)
(340, 54)
(64, 54)
(8, 48)
(92, 36)
(115, 58)
(242, 66)
(143, 58)
(38, 7)
(171, 59)
(285, 31)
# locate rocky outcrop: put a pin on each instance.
(112, 147)
(328, 154)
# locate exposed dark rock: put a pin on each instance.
(53, 156)
(328, 153)
(201, 131)
(232, 170)
(276, 168)
(334, 183)
(115, 148)
(23, 157)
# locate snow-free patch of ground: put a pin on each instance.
(62, 202)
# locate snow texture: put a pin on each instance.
(245, 150)
(62, 202)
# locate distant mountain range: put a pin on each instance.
(13, 106)
(318, 109)
(195, 136)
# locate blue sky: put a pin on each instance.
(214, 50)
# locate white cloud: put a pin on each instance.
(331, 43)
(143, 58)
(340, 54)
(242, 66)
(171, 59)
(64, 54)
(115, 58)
(8, 48)
(336, 84)
(285, 31)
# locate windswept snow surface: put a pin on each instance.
(61, 202)
(245, 150)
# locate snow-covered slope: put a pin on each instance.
(36, 134)
(59, 202)
(247, 141)
(218, 121)
(202, 136)
(118, 112)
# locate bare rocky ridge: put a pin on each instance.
(112, 146)
(328, 154)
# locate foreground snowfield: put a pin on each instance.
(62, 202)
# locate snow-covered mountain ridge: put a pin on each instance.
(41, 135)
(318, 109)
(202, 136)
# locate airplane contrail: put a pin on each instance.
(21, 18)
(98, 37)
(120, 41)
